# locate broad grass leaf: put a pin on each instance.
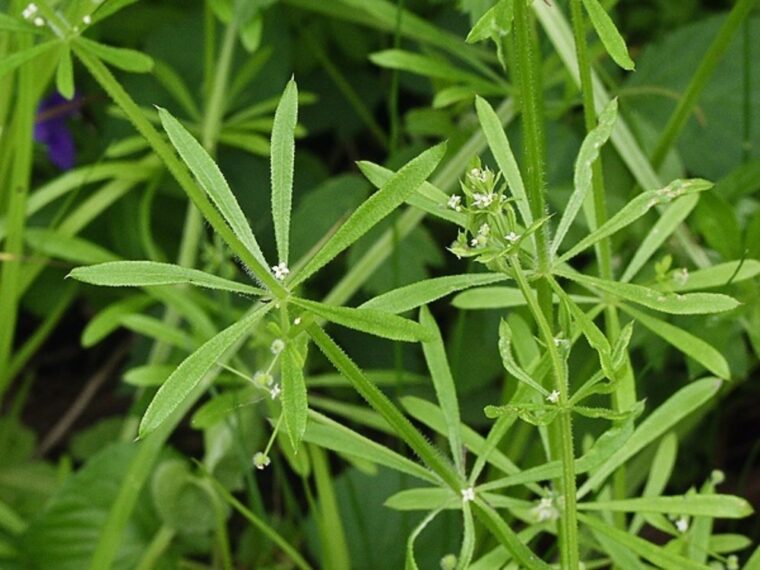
(423, 292)
(645, 549)
(588, 154)
(10, 62)
(668, 222)
(673, 303)
(193, 369)
(636, 208)
(378, 323)
(660, 421)
(505, 158)
(332, 435)
(294, 400)
(212, 181)
(443, 382)
(64, 74)
(151, 273)
(719, 275)
(609, 34)
(397, 190)
(282, 164)
(122, 58)
(689, 344)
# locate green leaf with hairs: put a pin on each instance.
(122, 58)
(294, 400)
(282, 163)
(609, 34)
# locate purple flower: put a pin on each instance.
(51, 128)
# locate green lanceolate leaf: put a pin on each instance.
(151, 273)
(398, 189)
(509, 361)
(636, 208)
(122, 58)
(423, 292)
(378, 323)
(668, 223)
(443, 382)
(718, 275)
(673, 303)
(109, 319)
(58, 245)
(609, 34)
(659, 474)
(212, 181)
(686, 342)
(489, 298)
(294, 402)
(647, 550)
(495, 23)
(64, 74)
(190, 373)
(502, 152)
(660, 421)
(282, 163)
(587, 155)
(716, 506)
(15, 60)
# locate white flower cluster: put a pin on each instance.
(281, 271)
(30, 13)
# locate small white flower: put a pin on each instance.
(512, 237)
(297, 321)
(483, 200)
(479, 175)
(545, 510)
(468, 494)
(29, 11)
(455, 203)
(553, 397)
(263, 379)
(484, 230)
(281, 271)
(261, 461)
(275, 391)
(87, 20)
(39, 22)
(682, 524)
(681, 276)
(277, 346)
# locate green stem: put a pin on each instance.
(156, 548)
(108, 82)
(700, 79)
(528, 70)
(569, 519)
(17, 188)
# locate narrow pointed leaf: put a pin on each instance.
(122, 58)
(660, 421)
(495, 23)
(151, 273)
(423, 292)
(647, 550)
(669, 222)
(636, 208)
(190, 373)
(686, 342)
(10, 62)
(673, 303)
(719, 275)
(294, 401)
(64, 74)
(212, 181)
(659, 474)
(282, 163)
(397, 190)
(505, 158)
(587, 155)
(443, 382)
(609, 34)
(696, 505)
(509, 361)
(378, 323)
(423, 499)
